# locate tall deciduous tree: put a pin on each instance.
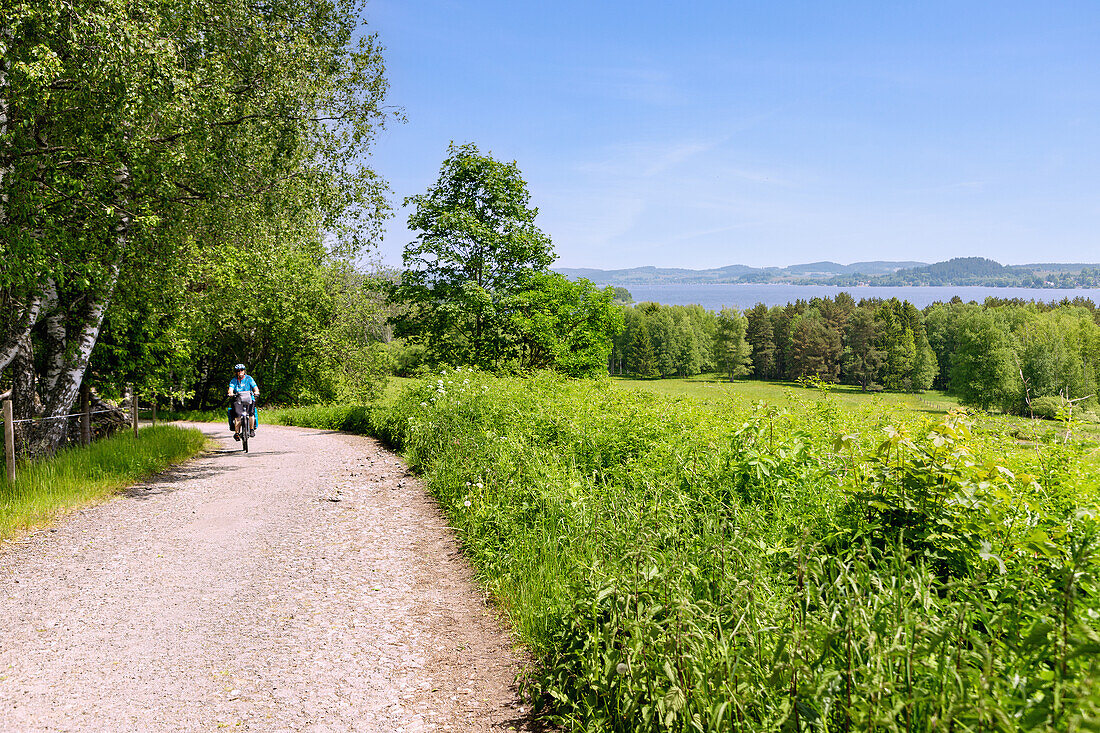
(563, 325)
(983, 369)
(477, 244)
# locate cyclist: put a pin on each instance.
(242, 383)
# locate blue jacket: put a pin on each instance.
(243, 385)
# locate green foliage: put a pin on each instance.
(815, 348)
(477, 244)
(683, 565)
(862, 360)
(642, 360)
(681, 341)
(1059, 408)
(761, 338)
(732, 351)
(563, 325)
(982, 365)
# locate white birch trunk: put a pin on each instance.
(49, 434)
(56, 346)
(24, 322)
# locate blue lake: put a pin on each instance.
(714, 297)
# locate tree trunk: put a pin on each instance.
(25, 320)
(23, 393)
(56, 346)
(48, 434)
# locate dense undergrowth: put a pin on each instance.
(676, 564)
(80, 475)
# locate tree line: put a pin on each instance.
(1012, 355)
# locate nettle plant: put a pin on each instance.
(931, 495)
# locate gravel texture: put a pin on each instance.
(310, 585)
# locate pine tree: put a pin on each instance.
(643, 361)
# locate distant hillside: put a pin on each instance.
(982, 271)
(731, 273)
(957, 271)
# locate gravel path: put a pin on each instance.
(310, 585)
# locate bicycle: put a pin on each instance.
(244, 421)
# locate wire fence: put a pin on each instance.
(17, 436)
(60, 417)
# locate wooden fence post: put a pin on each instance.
(9, 441)
(85, 414)
(134, 410)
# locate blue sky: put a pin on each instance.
(702, 134)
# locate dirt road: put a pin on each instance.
(310, 585)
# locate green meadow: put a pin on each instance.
(713, 386)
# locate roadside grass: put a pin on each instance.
(700, 562)
(76, 477)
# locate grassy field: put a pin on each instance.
(687, 555)
(79, 476)
(785, 394)
(713, 388)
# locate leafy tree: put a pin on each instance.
(732, 350)
(983, 370)
(563, 325)
(477, 245)
(941, 330)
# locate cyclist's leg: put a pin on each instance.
(229, 415)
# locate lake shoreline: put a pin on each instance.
(746, 295)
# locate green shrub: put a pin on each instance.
(1048, 407)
